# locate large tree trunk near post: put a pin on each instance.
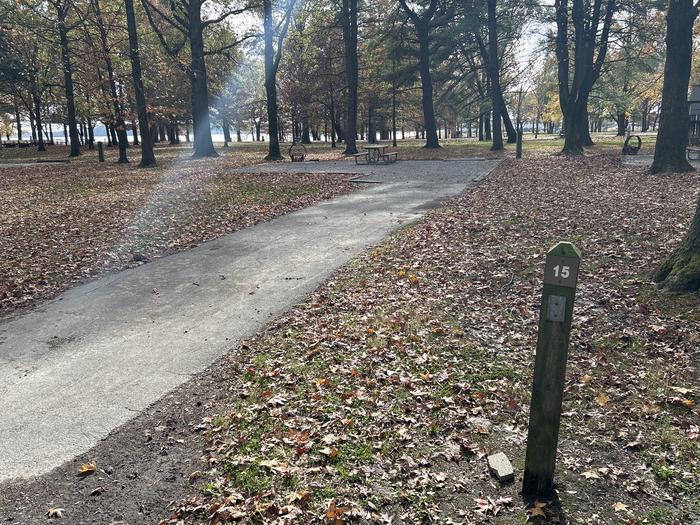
(671, 143)
(680, 272)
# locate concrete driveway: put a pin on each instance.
(75, 368)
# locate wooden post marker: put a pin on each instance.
(556, 311)
(519, 142)
(101, 151)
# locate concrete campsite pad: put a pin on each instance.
(75, 368)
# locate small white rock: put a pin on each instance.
(500, 466)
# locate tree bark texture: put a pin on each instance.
(674, 122)
(349, 23)
(148, 159)
(61, 13)
(589, 37)
(495, 77)
(203, 145)
(117, 107)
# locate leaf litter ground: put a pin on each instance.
(61, 224)
(377, 399)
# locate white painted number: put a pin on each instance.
(565, 271)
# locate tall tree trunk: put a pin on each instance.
(495, 78)
(585, 128)
(371, 132)
(621, 123)
(226, 125)
(574, 134)
(41, 146)
(273, 152)
(511, 133)
(61, 13)
(670, 153)
(431, 140)
(588, 36)
(349, 23)
(393, 114)
(332, 116)
(117, 106)
(148, 159)
(18, 123)
(32, 122)
(91, 134)
(203, 145)
(305, 138)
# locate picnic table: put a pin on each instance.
(375, 153)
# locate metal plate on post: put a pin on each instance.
(561, 271)
(556, 308)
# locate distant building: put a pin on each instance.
(694, 111)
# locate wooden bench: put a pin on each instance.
(358, 156)
(391, 156)
(693, 150)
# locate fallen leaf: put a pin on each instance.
(87, 468)
(619, 507)
(335, 513)
(330, 452)
(602, 399)
(591, 474)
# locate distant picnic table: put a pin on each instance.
(376, 153)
